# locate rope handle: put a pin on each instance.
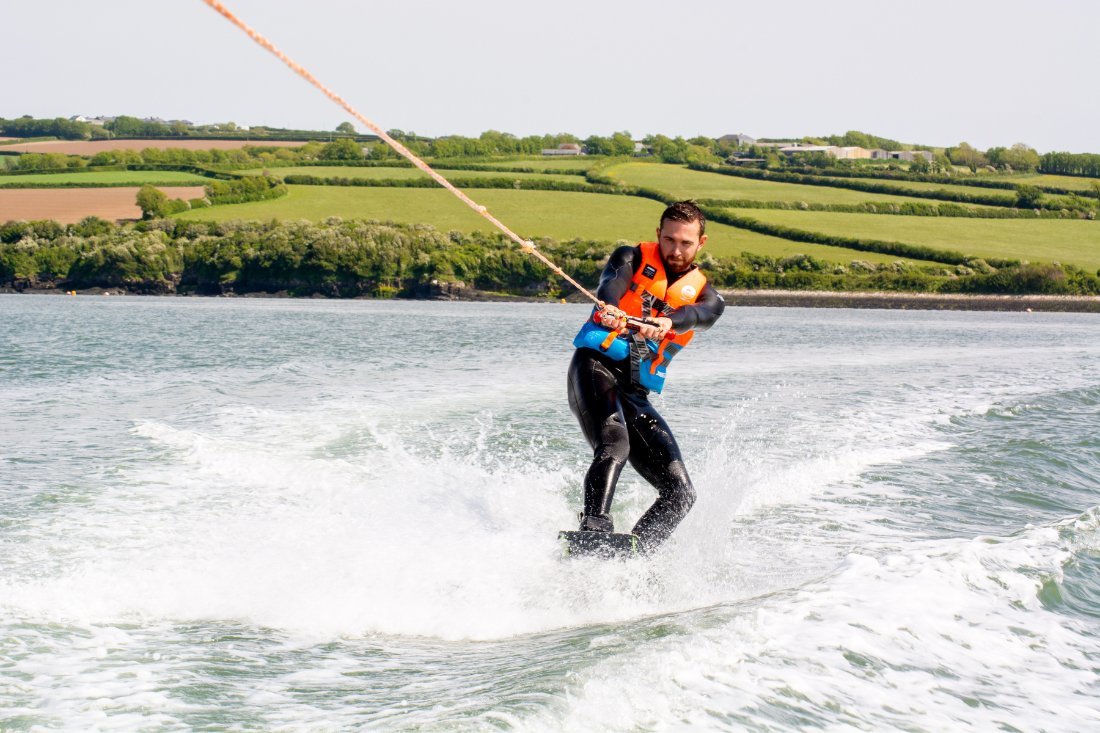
(631, 322)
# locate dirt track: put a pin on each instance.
(69, 205)
(78, 147)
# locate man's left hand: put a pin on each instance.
(657, 331)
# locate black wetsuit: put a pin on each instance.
(621, 424)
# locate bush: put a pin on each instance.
(152, 201)
(1043, 279)
(1028, 197)
(245, 188)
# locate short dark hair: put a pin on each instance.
(685, 212)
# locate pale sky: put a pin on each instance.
(934, 72)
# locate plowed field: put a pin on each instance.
(91, 147)
(69, 205)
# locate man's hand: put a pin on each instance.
(656, 332)
(613, 318)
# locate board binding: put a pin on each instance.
(598, 544)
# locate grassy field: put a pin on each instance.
(561, 215)
(1074, 183)
(401, 174)
(1069, 242)
(922, 186)
(685, 183)
(99, 178)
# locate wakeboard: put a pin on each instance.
(598, 544)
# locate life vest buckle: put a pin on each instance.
(611, 336)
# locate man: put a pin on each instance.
(654, 298)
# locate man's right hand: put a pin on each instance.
(613, 318)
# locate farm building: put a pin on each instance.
(857, 153)
(853, 152)
(564, 149)
(910, 155)
(738, 139)
(798, 148)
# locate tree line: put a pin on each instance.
(358, 258)
(132, 127)
(493, 143)
(1071, 164)
(249, 156)
(57, 127)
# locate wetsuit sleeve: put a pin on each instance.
(700, 315)
(618, 273)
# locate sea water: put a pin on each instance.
(231, 514)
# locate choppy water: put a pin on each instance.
(314, 515)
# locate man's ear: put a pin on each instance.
(702, 241)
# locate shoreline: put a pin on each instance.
(743, 298)
(913, 301)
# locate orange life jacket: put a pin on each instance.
(650, 295)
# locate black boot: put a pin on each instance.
(597, 523)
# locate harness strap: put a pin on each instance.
(665, 352)
(651, 303)
(637, 348)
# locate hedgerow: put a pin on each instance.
(379, 259)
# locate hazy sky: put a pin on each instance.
(990, 72)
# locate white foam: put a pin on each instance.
(938, 635)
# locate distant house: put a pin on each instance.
(738, 139)
(564, 149)
(101, 121)
(641, 149)
(879, 154)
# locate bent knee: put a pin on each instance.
(680, 489)
(685, 498)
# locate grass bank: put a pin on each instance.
(1072, 242)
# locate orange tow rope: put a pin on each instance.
(526, 244)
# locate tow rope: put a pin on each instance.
(525, 244)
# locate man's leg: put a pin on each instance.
(655, 455)
(594, 400)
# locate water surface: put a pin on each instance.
(307, 515)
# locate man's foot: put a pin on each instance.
(597, 523)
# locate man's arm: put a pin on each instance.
(617, 275)
(700, 315)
